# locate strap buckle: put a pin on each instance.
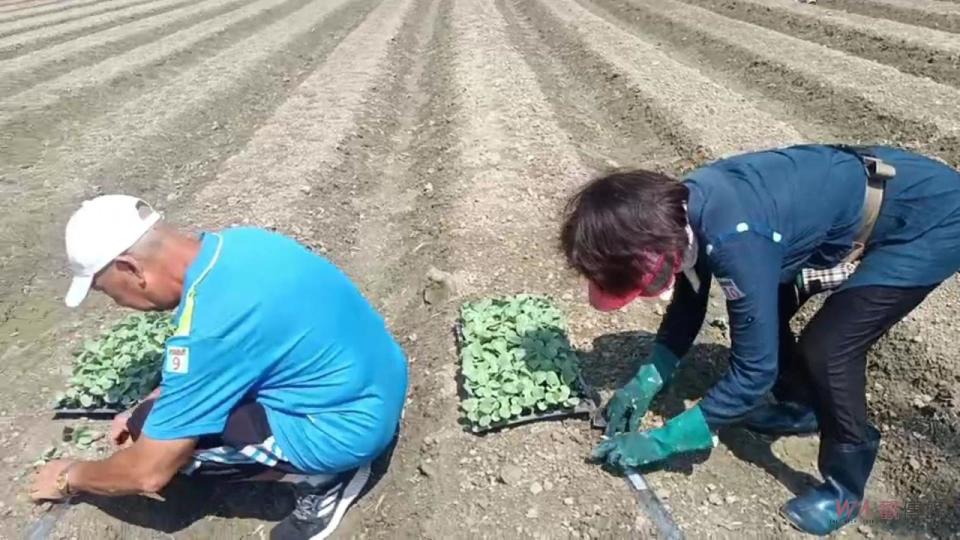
(878, 169)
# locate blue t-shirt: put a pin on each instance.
(262, 318)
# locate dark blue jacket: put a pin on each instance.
(761, 217)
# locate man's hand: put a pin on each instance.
(45, 481)
(684, 433)
(143, 467)
(119, 433)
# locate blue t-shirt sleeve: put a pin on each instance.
(202, 382)
(747, 268)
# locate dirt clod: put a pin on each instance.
(511, 474)
(428, 470)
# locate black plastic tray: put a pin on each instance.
(79, 412)
(589, 405)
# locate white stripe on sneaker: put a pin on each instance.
(350, 493)
(332, 498)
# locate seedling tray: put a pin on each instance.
(116, 369)
(589, 405)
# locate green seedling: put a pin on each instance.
(84, 437)
(49, 454)
(516, 360)
(122, 366)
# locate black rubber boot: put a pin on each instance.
(836, 502)
(782, 418)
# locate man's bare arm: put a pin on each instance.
(145, 467)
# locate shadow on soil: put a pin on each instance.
(616, 357)
(191, 499)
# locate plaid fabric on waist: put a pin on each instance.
(812, 281)
(266, 453)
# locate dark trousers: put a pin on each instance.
(246, 426)
(826, 367)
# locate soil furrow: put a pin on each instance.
(930, 6)
(919, 51)
(500, 91)
(10, 5)
(938, 15)
(15, 24)
(34, 116)
(416, 180)
(39, 5)
(304, 132)
(13, 5)
(24, 71)
(29, 8)
(512, 167)
(340, 166)
(810, 80)
(690, 109)
(214, 106)
(34, 39)
(589, 99)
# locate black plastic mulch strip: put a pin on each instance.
(653, 507)
(44, 525)
(78, 412)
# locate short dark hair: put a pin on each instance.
(615, 222)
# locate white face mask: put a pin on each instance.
(689, 261)
(666, 295)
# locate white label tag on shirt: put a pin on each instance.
(730, 289)
(178, 359)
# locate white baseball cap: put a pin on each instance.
(97, 233)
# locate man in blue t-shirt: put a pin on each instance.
(279, 368)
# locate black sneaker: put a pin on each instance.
(320, 509)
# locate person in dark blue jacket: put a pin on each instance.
(756, 223)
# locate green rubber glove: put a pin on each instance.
(630, 403)
(684, 433)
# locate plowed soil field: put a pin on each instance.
(398, 136)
